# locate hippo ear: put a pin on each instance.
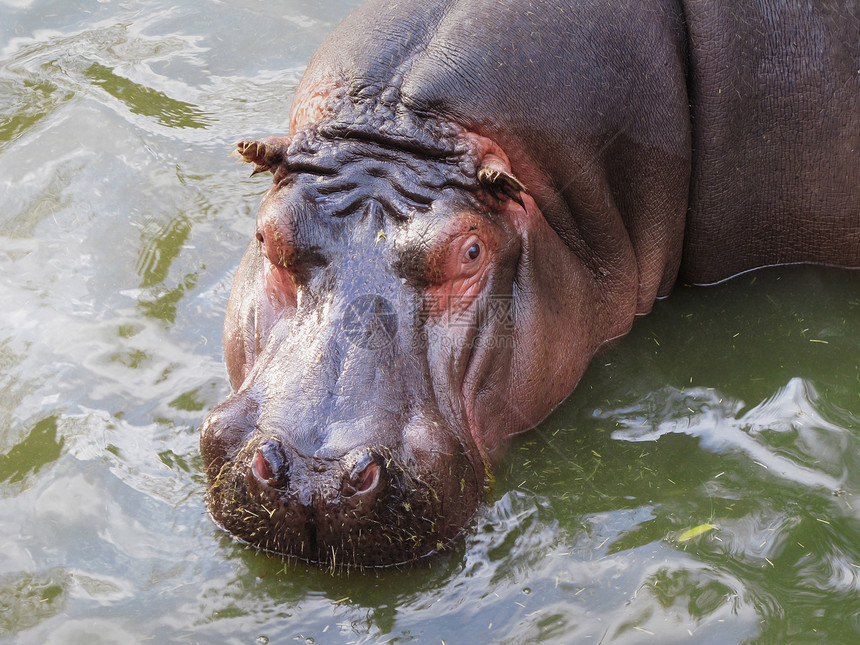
(501, 182)
(265, 154)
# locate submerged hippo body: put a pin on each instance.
(473, 198)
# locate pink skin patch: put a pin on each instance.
(459, 265)
(277, 250)
(260, 467)
(371, 476)
(310, 101)
(280, 287)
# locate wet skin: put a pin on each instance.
(463, 214)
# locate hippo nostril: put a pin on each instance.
(261, 467)
(364, 476)
(270, 464)
(369, 479)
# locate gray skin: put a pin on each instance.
(475, 197)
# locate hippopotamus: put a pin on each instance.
(473, 198)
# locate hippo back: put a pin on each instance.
(775, 94)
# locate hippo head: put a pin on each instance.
(390, 324)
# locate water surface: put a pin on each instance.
(733, 411)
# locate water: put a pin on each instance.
(736, 407)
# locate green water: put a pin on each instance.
(731, 411)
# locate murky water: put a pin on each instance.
(701, 485)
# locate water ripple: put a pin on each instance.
(788, 434)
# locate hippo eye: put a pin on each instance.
(471, 249)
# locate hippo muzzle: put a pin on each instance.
(333, 449)
(369, 506)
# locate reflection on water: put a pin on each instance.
(157, 253)
(786, 434)
(36, 450)
(123, 219)
(146, 101)
(31, 101)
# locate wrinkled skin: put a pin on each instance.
(472, 199)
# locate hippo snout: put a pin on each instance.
(366, 505)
